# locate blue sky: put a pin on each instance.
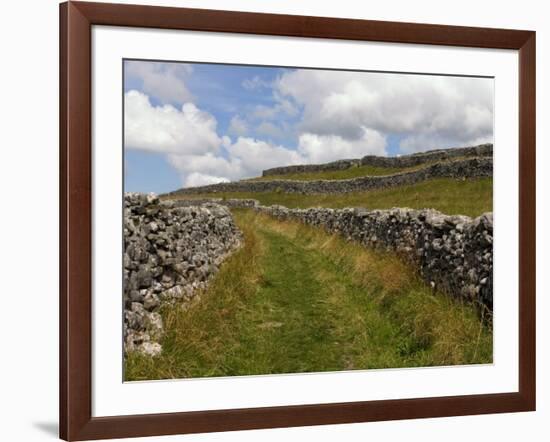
(189, 124)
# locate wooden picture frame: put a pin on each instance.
(76, 21)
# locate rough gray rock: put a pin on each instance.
(233, 203)
(377, 161)
(170, 252)
(459, 169)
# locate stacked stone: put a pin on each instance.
(458, 169)
(170, 253)
(233, 203)
(373, 160)
(324, 167)
(454, 254)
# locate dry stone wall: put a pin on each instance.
(469, 168)
(170, 253)
(454, 254)
(232, 203)
(377, 161)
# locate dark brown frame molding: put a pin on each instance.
(76, 21)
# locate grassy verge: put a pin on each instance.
(465, 197)
(295, 299)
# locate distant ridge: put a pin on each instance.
(411, 160)
(458, 169)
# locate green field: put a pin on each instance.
(296, 299)
(465, 197)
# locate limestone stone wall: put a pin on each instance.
(469, 168)
(170, 253)
(452, 253)
(378, 161)
(232, 203)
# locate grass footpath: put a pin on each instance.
(450, 196)
(296, 299)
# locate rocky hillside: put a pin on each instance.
(462, 163)
(431, 156)
(470, 168)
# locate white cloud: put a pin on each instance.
(282, 108)
(189, 139)
(423, 142)
(262, 112)
(340, 115)
(456, 109)
(248, 157)
(269, 130)
(164, 81)
(238, 126)
(256, 155)
(244, 158)
(199, 179)
(324, 148)
(255, 83)
(167, 129)
(223, 167)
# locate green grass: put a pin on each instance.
(296, 299)
(465, 197)
(351, 172)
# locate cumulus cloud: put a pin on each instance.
(164, 81)
(244, 158)
(238, 126)
(200, 179)
(324, 148)
(188, 136)
(220, 167)
(247, 157)
(167, 129)
(276, 121)
(423, 142)
(324, 115)
(256, 155)
(269, 130)
(255, 83)
(457, 110)
(282, 108)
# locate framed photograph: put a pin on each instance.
(274, 220)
